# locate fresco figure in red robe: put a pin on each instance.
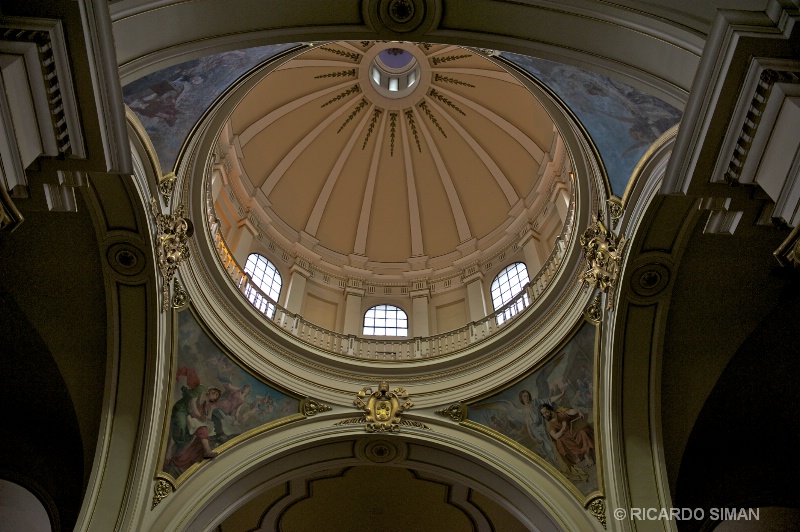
(572, 435)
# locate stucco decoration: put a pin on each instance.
(550, 414)
(622, 121)
(215, 401)
(169, 102)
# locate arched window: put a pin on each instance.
(506, 286)
(385, 320)
(264, 275)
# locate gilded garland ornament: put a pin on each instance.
(382, 409)
(172, 237)
(180, 298)
(598, 509)
(166, 185)
(160, 491)
(615, 211)
(311, 407)
(456, 412)
(594, 310)
(603, 251)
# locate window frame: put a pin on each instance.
(400, 315)
(266, 306)
(498, 292)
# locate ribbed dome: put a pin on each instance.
(368, 171)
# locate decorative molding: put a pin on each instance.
(433, 93)
(382, 409)
(603, 251)
(311, 407)
(355, 89)
(454, 81)
(104, 70)
(172, 234)
(42, 42)
(597, 507)
(437, 60)
(457, 412)
(761, 89)
(376, 113)
(392, 132)
(349, 55)
(342, 73)
(721, 220)
(361, 105)
(413, 125)
(161, 490)
(424, 106)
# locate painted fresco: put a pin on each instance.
(213, 399)
(551, 411)
(622, 121)
(171, 101)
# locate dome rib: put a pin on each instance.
(464, 231)
(417, 242)
(498, 175)
(322, 200)
(513, 131)
(360, 247)
(264, 122)
(281, 168)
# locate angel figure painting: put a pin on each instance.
(213, 399)
(551, 411)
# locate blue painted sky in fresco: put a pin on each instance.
(170, 102)
(622, 121)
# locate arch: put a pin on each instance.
(385, 320)
(266, 276)
(506, 286)
(299, 452)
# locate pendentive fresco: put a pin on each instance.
(551, 412)
(169, 102)
(622, 121)
(213, 399)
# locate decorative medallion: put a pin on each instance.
(598, 509)
(594, 310)
(401, 15)
(160, 491)
(172, 235)
(125, 259)
(311, 407)
(382, 409)
(603, 251)
(457, 412)
(380, 451)
(650, 279)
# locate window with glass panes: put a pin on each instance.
(506, 286)
(385, 320)
(264, 275)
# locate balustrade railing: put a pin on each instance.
(396, 349)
